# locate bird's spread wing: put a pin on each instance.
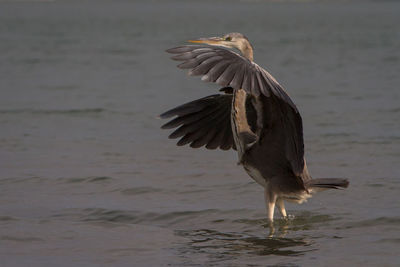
(227, 68)
(203, 122)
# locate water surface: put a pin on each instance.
(88, 179)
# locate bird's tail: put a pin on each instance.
(327, 183)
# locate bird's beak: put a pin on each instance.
(210, 40)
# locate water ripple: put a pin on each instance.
(20, 239)
(7, 219)
(395, 221)
(96, 179)
(140, 190)
(134, 217)
(54, 111)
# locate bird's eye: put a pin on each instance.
(228, 38)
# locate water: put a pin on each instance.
(88, 178)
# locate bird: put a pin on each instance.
(253, 115)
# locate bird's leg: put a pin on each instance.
(281, 206)
(270, 200)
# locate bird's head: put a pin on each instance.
(230, 40)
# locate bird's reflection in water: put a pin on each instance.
(211, 241)
(282, 228)
(283, 237)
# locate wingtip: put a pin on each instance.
(168, 125)
(178, 49)
(170, 50)
(165, 115)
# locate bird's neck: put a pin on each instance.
(246, 49)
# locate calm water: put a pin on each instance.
(88, 179)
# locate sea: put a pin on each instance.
(88, 178)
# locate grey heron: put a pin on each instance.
(254, 116)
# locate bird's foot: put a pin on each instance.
(290, 217)
(270, 225)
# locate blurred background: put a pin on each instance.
(88, 178)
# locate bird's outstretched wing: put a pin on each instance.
(227, 68)
(203, 122)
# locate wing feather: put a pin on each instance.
(254, 85)
(203, 122)
(205, 66)
(192, 127)
(227, 70)
(191, 117)
(228, 137)
(215, 72)
(262, 86)
(226, 77)
(238, 78)
(246, 79)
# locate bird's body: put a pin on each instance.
(255, 116)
